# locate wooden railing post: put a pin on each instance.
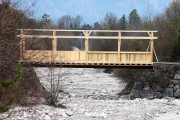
(22, 45)
(54, 46)
(86, 33)
(119, 46)
(152, 45)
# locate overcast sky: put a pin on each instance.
(95, 10)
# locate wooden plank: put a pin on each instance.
(119, 46)
(65, 30)
(91, 37)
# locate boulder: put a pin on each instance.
(176, 87)
(134, 94)
(157, 88)
(138, 85)
(146, 94)
(146, 86)
(176, 82)
(177, 93)
(168, 92)
(177, 77)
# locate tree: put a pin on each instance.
(10, 71)
(77, 22)
(138, 46)
(123, 23)
(86, 27)
(110, 20)
(65, 22)
(46, 22)
(134, 20)
(97, 25)
(167, 24)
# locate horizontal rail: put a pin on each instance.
(64, 30)
(83, 37)
(119, 52)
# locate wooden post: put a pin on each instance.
(86, 33)
(22, 45)
(86, 48)
(54, 46)
(152, 45)
(119, 46)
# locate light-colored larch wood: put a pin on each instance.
(86, 56)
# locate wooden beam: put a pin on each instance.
(64, 30)
(91, 37)
(119, 46)
(54, 41)
(22, 45)
(152, 44)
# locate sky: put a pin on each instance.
(95, 10)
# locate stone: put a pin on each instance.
(158, 95)
(157, 73)
(157, 88)
(103, 115)
(170, 86)
(176, 82)
(177, 77)
(146, 86)
(64, 114)
(46, 117)
(69, 113)
(168, 92)
(176, 87)
(146, 94)
(50, 114)
(25, 114)
(138, 85)
(177, 93)
(134, 94)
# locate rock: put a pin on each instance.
(146, 94)
(158, 95)
(177, 93)
(170, 86)
(50, 114)
(176, 82)
(103, 115)
(168, 92)
(177, 77)
(157, 88)
(157, 73)
(138, 85)
(146, 86)
(176, 87)
(134, 94)
(25, 114)
(69, 113)
(46, 117)
(64, 114)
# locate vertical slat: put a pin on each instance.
(22, 45)
(119, 47)
(54, 47)
(152, 44)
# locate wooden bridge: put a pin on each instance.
(86, 58)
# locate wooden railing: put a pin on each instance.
(87, 57)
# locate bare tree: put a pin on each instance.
(12, 18)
